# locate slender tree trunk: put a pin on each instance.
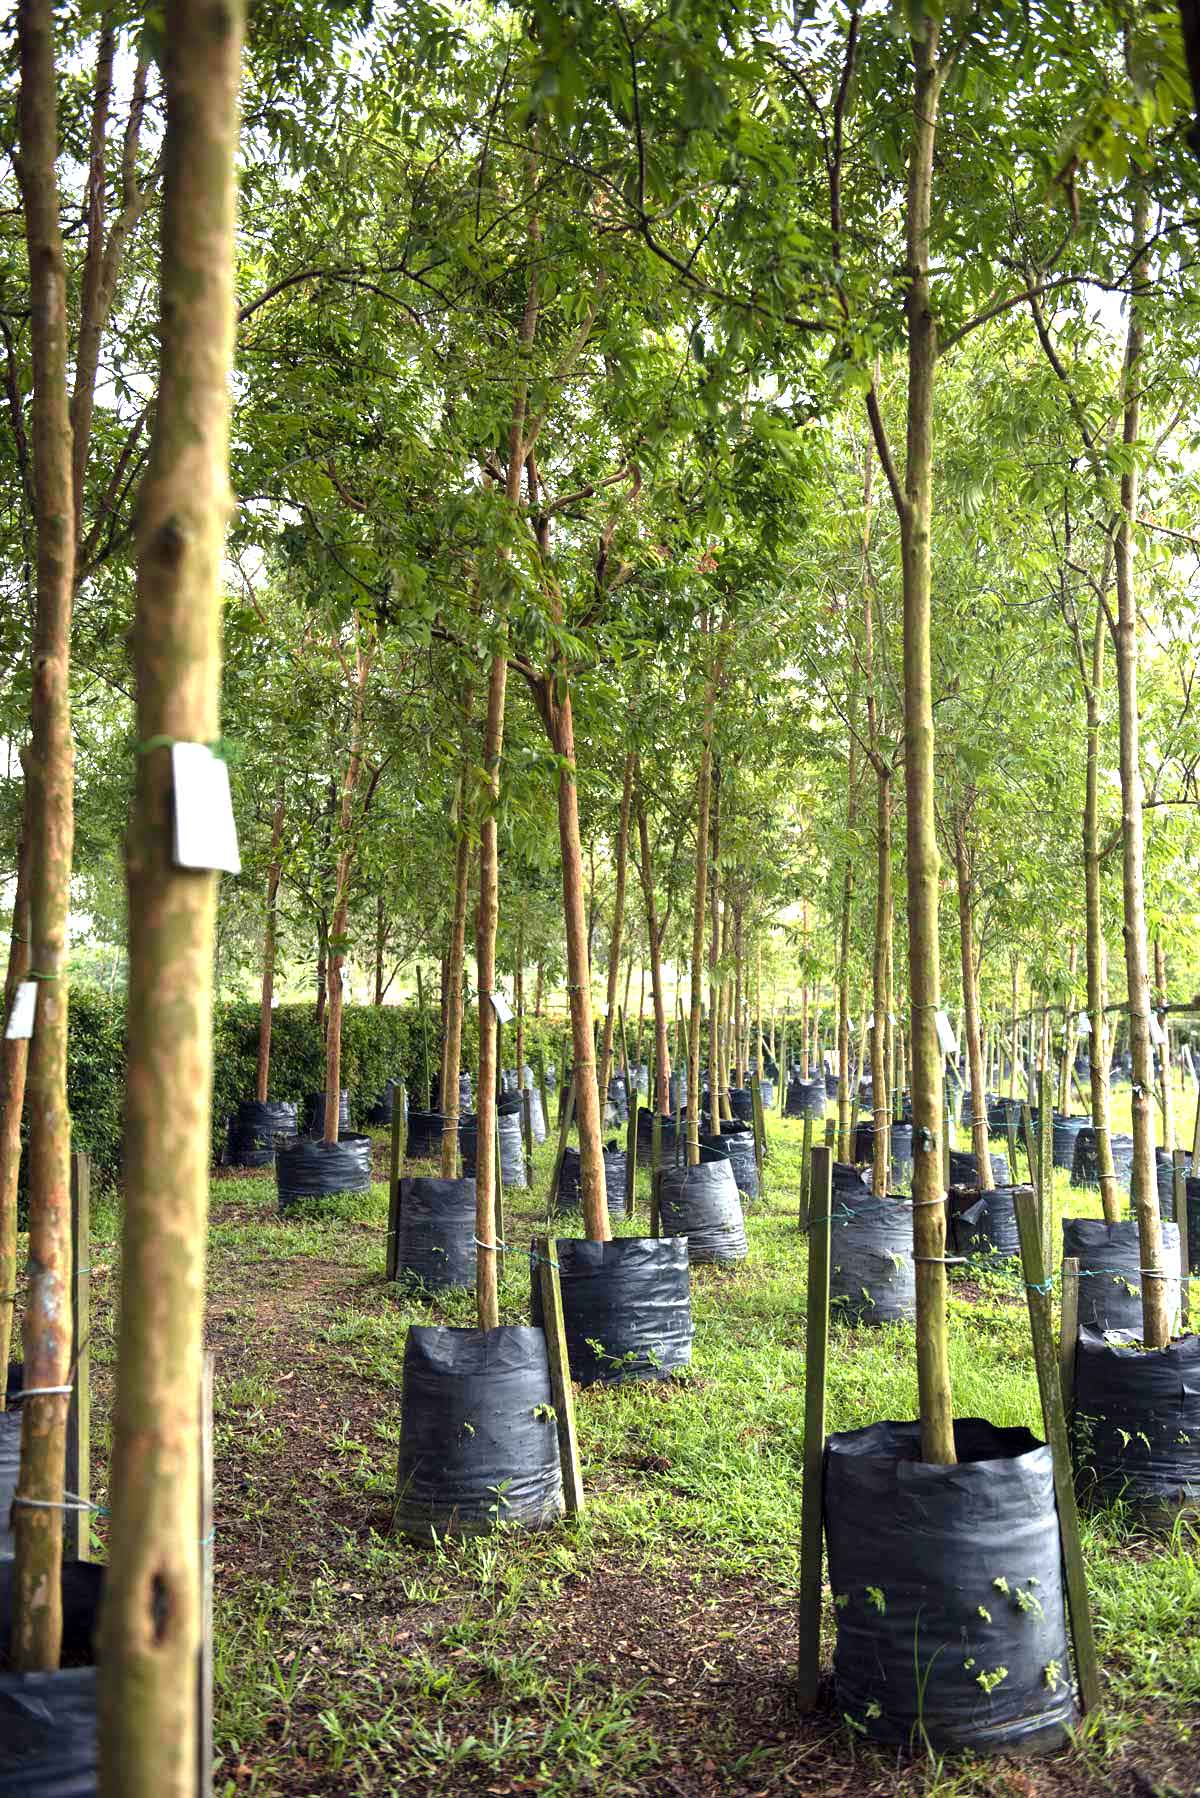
(618, 926)
(880, 995)
(1016, 1039)
(537, 993)
(738, 1001)
(150, 1619)
(381, 948)
(699, 914)
(341, 902)
(452, 1059)
(1069, 1035)
(715, 1075)
(1168, 1096)
(845, 1146)
(1155, 1314)
(805, 1061)
(487, 1297)
(970, 986)
(662, 1054)
(262, 1078)
(37, 1518)
(14, 1057)
(519, 1002)
(322, 959)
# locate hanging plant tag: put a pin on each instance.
(20, 1018)
(1158, 1035)
(205, 834)
(947, 1041)
(1083, 1024)
(502, 1008)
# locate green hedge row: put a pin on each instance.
(379, 1043)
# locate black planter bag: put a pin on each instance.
(850, 1183)
(48, 1743)
(702, 1203)
(670, 1135)
(872, 1279)
(512, 1147)
(1166, 1205)
(314, 1113)
(255, 1132)
(1066, 1130)
(478, 1442)
(436, 1237)
(804, 1099)
(1136, 1423)
(618, 1099)
(381, 1113)
(424, 1141)
(1085, 1166)
(741, 1103)
(1110, 1284)
(739, 1143)
(831, 1086)
(941, 1577)
(307, 1168)
(570, 1193)
(901, 1149)
(631, 1297)
(983, 1225)
(10, 1467)
(990, 1104)
(964, 1169)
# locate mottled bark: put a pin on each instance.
(452, 1050)
(347, 846)
(618, 929)
(699, 914)
(662, 1055)
(964, 880)
(150, 1621)
(487, 1298)
(14, 1057)
(262, 1078)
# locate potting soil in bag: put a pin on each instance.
(436, 1235)
(307, 1168)
(947, 1590)
(1136, 1421)
(703, 1204)
(478, 1442)
(872, 1279)
(627, 1306)
(1110, 1283)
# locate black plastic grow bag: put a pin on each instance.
(1066, 1131)
(424, 1137)
(1166, 1205)
(741, 1103)
(512, 1147)
(901, 1149)
(570, 1195)
(872, 1279)
(48, 1746)
(964, 1169)
(81, 1585)
(702, 1203)
(967, 1112)
(255, 1131)
(645, 1131)
(985, 1223)
(618, 1099)
(307, 1168)
(10, 1467)
(1110, 1285)
(1136, 1422)
(478, 1443)
(383, 1110)
(947, 1584)
(1085, 1166)
(739, 1142)
(626, 1304)
(436, 1237)
(314, 1113)
(805, 1099)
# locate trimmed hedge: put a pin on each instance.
(379, 1043)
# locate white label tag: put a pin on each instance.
(1083, 1024)
(205, 834)
(1157, 1034)
(20, 1018)
(502, 1008)
(947, 1041)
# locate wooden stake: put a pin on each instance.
(1068, 1331)
(77, 1528)
(1010, 1128)
(1031, 1154)
(1046, 1162)
(541, 1080)
(566, 1118)
(1087, 1664)
(395, 1171)
(805, 1172)
(499, 1200)
(204, 1668)
(631, 1153)
(812, 1514)
(1179, 1194)
(527, 1124)
(760, 1124)
(546, 1250)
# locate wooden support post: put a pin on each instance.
(527, 1124)
(783, 1067)
(812, 1512)
(1041, 1326)
(631, 1152)
(391, 1266)
(566, 1118)
(426, 1075)
(1010, 1128)
(805, 1172)
(1195, 1166)
(77, 1525)
(1068, 1331)
(655, 1205)
(541, 1080)
(499, 1200)
(831, 1133)
(760, 1123)
(1031, 1154)
(204, 1669)
(545, 1248)
(1179, 1194)
(947, 1137)
(1046, 1163)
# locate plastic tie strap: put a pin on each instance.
(41, 1391)
(943, 1260)
(493, 1246)
(218, 745)
(1043, 1286)
(34, 974)
(543, 1261)
(70, 1501)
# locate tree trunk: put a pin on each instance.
(150, 1619)
(716, 1078)
(805, 1063)
(537, 993)
(37, 1518)
(14, 1057)
(738, 1001)
(845, 1146)
(322, 957)
(341, 901)
(699, 915)
(618, 926)
(1155, 1315)
(262, 1078)
(970, 985)
(452, 1056)
(1164, 1057)
(487, 1298)
(662, 1055)
(381, 935)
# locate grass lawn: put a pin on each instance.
(647, 1648)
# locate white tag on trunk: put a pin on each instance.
(1083, 1024)
(947, 1041)
(1157, 1034)
(502, 1008)
(20, 1018)
(205, 834)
